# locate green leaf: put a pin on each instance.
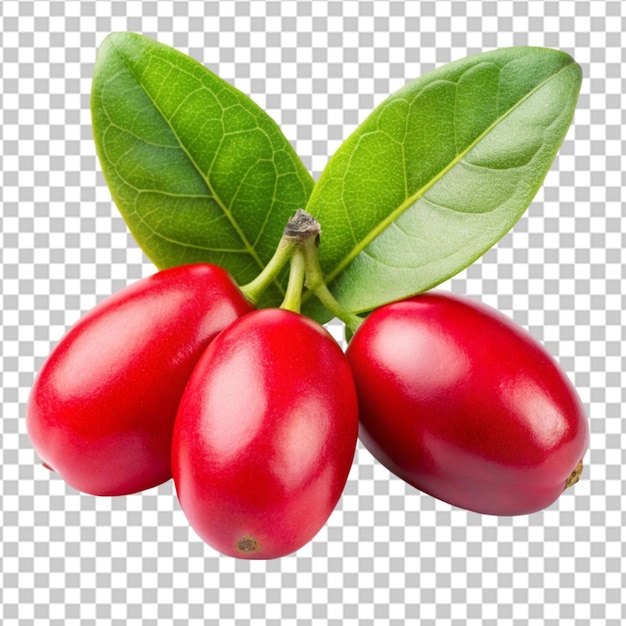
(198, 171)
(440, 171)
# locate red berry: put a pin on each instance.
(101, 411)
(265, 435)
(461, 403)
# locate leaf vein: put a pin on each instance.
(249, 248)
(377, 230)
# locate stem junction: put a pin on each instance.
(299, 245)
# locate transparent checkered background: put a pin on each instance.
(388, 555)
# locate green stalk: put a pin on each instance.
(315, 283)
(299, 244)
(255, 288)
(293, 295)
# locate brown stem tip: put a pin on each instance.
(301, 227)
(574, 477)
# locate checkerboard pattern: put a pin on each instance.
(388, 555)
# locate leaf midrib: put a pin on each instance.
(393, 216)
(248, 247)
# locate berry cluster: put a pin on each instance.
(255, 412)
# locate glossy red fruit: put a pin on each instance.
(101, 411)
(461, 403)
(265, 435)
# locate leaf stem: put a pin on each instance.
(284, 251)
(293, 295)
